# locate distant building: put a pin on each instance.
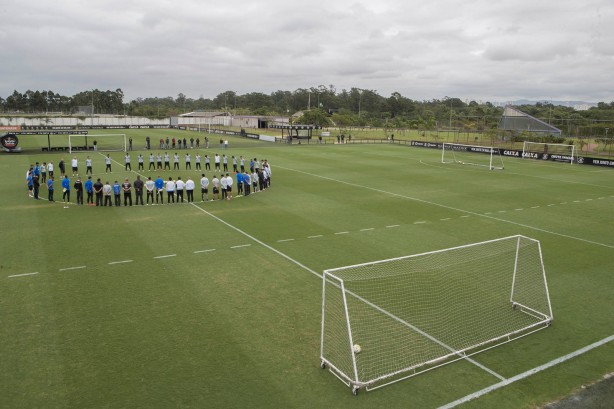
(221, 118)
(518, 121)
(582, 107)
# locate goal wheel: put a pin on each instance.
(355, 390)
(322, 365)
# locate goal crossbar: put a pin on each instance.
(558, 152)
(97, 142)
(355, 375)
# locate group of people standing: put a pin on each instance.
(97, 193)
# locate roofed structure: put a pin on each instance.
(516, 120)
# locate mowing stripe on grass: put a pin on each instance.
(166, 256)
(21, 275)
(468, 213)
(72, 268)
(528, 373)
(120, 262)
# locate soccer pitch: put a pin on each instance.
(218, 304)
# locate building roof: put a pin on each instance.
(516, 120)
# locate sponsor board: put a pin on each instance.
(10, 128)
(580, 160)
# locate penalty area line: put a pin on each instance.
(528, 373)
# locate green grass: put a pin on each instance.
(240, 326)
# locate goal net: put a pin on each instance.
(98, 142)
(392, 319)
(559, 152)
(472, 155)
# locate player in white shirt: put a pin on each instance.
(170, 190)
(224, 183)
(107, 162)
(127, 162)
(152, 161)
(176, 161)
(197, 160)
(188, 161)
(75, 166)
(179, 186)
(217, 162)
(88, 165)
(229, 182)
(204, 188)
(149, 187)
(140, 161)
(189, 188)
(167, 161)
(216, 187)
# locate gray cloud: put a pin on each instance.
(479, 50)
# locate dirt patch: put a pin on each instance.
(599, 395)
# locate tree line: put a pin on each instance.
(321, 105)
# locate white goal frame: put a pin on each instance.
(76, 148)
(543, 150)
(523, 308)
(495, 160)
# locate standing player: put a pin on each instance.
(189, 188)
(159, 161)
(176, 161)
(197, 160)
(217, 162)
(117, 193)
(127, 162)
(216, 187)
(225, 161)
(207, 162)
(62, 166)
(204, 188)
(179, 186)
(159, 189)
(79, 189)
(224, 183)
(107, 162)
(170, 190)
(44, 172)
(66, 189)
(228, 187)
(152, 161)
(188, 161)
(98, 189)
(138, 190)
(89, 189)
(167, 161)
(88, 165)
(106, 191)
(140, 160)
(150, 185)
(75, 166)
(50, 168)
(50, 188)
(127, 188)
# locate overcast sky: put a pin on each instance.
(477, 50)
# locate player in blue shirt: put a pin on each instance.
(89, 188)
(50, 188)
(117, 193)
(66, 189)
(159, 186)
(239, 183)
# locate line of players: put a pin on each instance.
(258, 180)
(155, 162)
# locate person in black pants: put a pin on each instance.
(79, 189)
(127, 188)
(98, 191)
(138, 190)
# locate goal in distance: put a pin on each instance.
(472, 155)
(98, 142)
(389, 320)
(557, 151)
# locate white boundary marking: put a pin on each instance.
(368, 229)
(21, 275)
(342, 232)
(203, 251)
(528, 373)
(166, 256)
(284, 240)
(72, 268)
(315, 237)
(120, 262)
(392, 225)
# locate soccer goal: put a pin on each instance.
(559, 152)
(472, 155)
(99, 142)
(389, 320)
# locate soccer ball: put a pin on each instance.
(357, 349)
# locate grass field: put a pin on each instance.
(218, 304)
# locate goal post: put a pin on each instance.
(559, 152)
(388, 320)
(476, 155)
(97, 142)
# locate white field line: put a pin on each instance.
(22, 275)
(203, 251)
(468, 213)
(284, 240)
(355, 295)
(392, 226)
(71, 268)
(368, 229)
(420, 222)
(120, 262)
(342, 232)
(166, 256)
(240, 245)
(528, 373)
(315, 237)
